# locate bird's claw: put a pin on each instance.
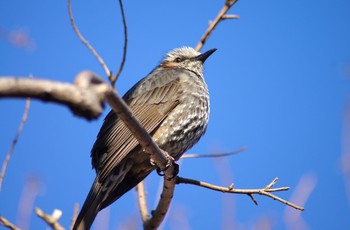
(170, 161)
(175, 171)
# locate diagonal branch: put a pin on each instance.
(124, 113)
(212, 25)
(4, 222)
(267, 191)
(87, 44)
(15, 140)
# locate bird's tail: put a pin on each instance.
(90, 208)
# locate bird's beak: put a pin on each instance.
(202, 57)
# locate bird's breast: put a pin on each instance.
(187, 122)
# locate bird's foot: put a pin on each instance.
(170, 160)
(175, 171)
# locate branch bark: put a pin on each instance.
(165, 199)
(84, 99)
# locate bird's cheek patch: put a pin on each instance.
(169, 65)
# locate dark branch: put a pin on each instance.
(125, 45)
(15, 140)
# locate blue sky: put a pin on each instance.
(279, 85)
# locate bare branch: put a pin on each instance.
(141, 195)
(125, 45)
(230, 16)
(212, 25)
(51, 220)
(187, 156)
(75, 215)
(14, 142)
(273, 182)
(4, 222)
(84, 98)
(165, 199)
(87, 44)
(250, 192)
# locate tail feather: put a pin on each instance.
(90, 208)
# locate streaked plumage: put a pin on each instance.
(172, 103)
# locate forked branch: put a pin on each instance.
(51, 220)
(266, 191)
(212, 25)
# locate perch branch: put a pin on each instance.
(165, 199)
(212, 25)
(4, 222)
(125, 44)
(87, 44)
(51, 220)
(14, 142)
(267, 191)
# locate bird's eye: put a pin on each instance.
(178, 59)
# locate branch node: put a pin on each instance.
(231, 186)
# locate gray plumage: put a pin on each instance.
(172, 103)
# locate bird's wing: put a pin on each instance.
(150, 100)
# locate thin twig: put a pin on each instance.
(230, 16)
(15, 140)
(86, 43)
(212, 25)
(264, 191)
(187, 156)
(114, 79)
(141, 195)
(4, 222)
(75, 214)
(51, 220)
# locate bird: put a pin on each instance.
(172, 104)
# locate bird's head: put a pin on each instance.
(186, 58)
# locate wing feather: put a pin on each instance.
(151, 100)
